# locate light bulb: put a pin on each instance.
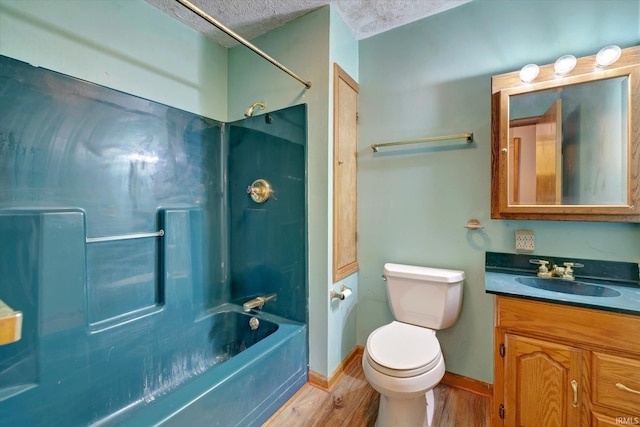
(608, 55)
(565, 64)
(529, 72)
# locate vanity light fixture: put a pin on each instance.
(608, 55)
(529, 72)
(564, 64)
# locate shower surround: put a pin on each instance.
(122, 326)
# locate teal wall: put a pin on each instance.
(125, 45)
(431, 78)
(342, 328)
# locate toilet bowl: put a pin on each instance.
(403, 360)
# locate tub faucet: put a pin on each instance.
(258, 302)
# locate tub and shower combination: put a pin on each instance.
(130, 245)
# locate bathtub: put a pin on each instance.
(251, 374)
(230, 376)
(169, 362)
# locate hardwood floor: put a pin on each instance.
(353, 403)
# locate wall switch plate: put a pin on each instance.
(525, 241)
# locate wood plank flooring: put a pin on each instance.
(353, 403)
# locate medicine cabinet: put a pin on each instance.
(567, 147)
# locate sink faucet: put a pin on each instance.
(565, 272)
(258, 302)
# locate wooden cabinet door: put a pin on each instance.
(542, 383)
(345, 171)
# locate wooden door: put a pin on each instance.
(345, 171)
(549, 156)
(542, 383)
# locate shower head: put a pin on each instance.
(252, 107)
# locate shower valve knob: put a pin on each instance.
(260, 191)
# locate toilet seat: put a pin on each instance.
(402, 350)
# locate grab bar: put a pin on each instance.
(124, 237)
(468, 136)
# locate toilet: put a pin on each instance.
(402, 360)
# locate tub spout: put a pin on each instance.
(258, 302)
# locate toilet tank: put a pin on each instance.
(424, 296)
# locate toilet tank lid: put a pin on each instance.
(423, 273)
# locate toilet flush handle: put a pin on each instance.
(384, 277)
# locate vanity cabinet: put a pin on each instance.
(558, 365)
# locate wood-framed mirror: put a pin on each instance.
(568, 147)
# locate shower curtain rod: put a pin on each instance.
(241, 40)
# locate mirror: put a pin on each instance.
(568, 145)
(567, 148)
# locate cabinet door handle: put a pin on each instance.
(574, 387)
(623, 387)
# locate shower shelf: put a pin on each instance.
(124, 237)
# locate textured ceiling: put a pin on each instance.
(251, 18)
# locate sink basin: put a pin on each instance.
(568, 287)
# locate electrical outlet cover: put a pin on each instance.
(525, 241)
